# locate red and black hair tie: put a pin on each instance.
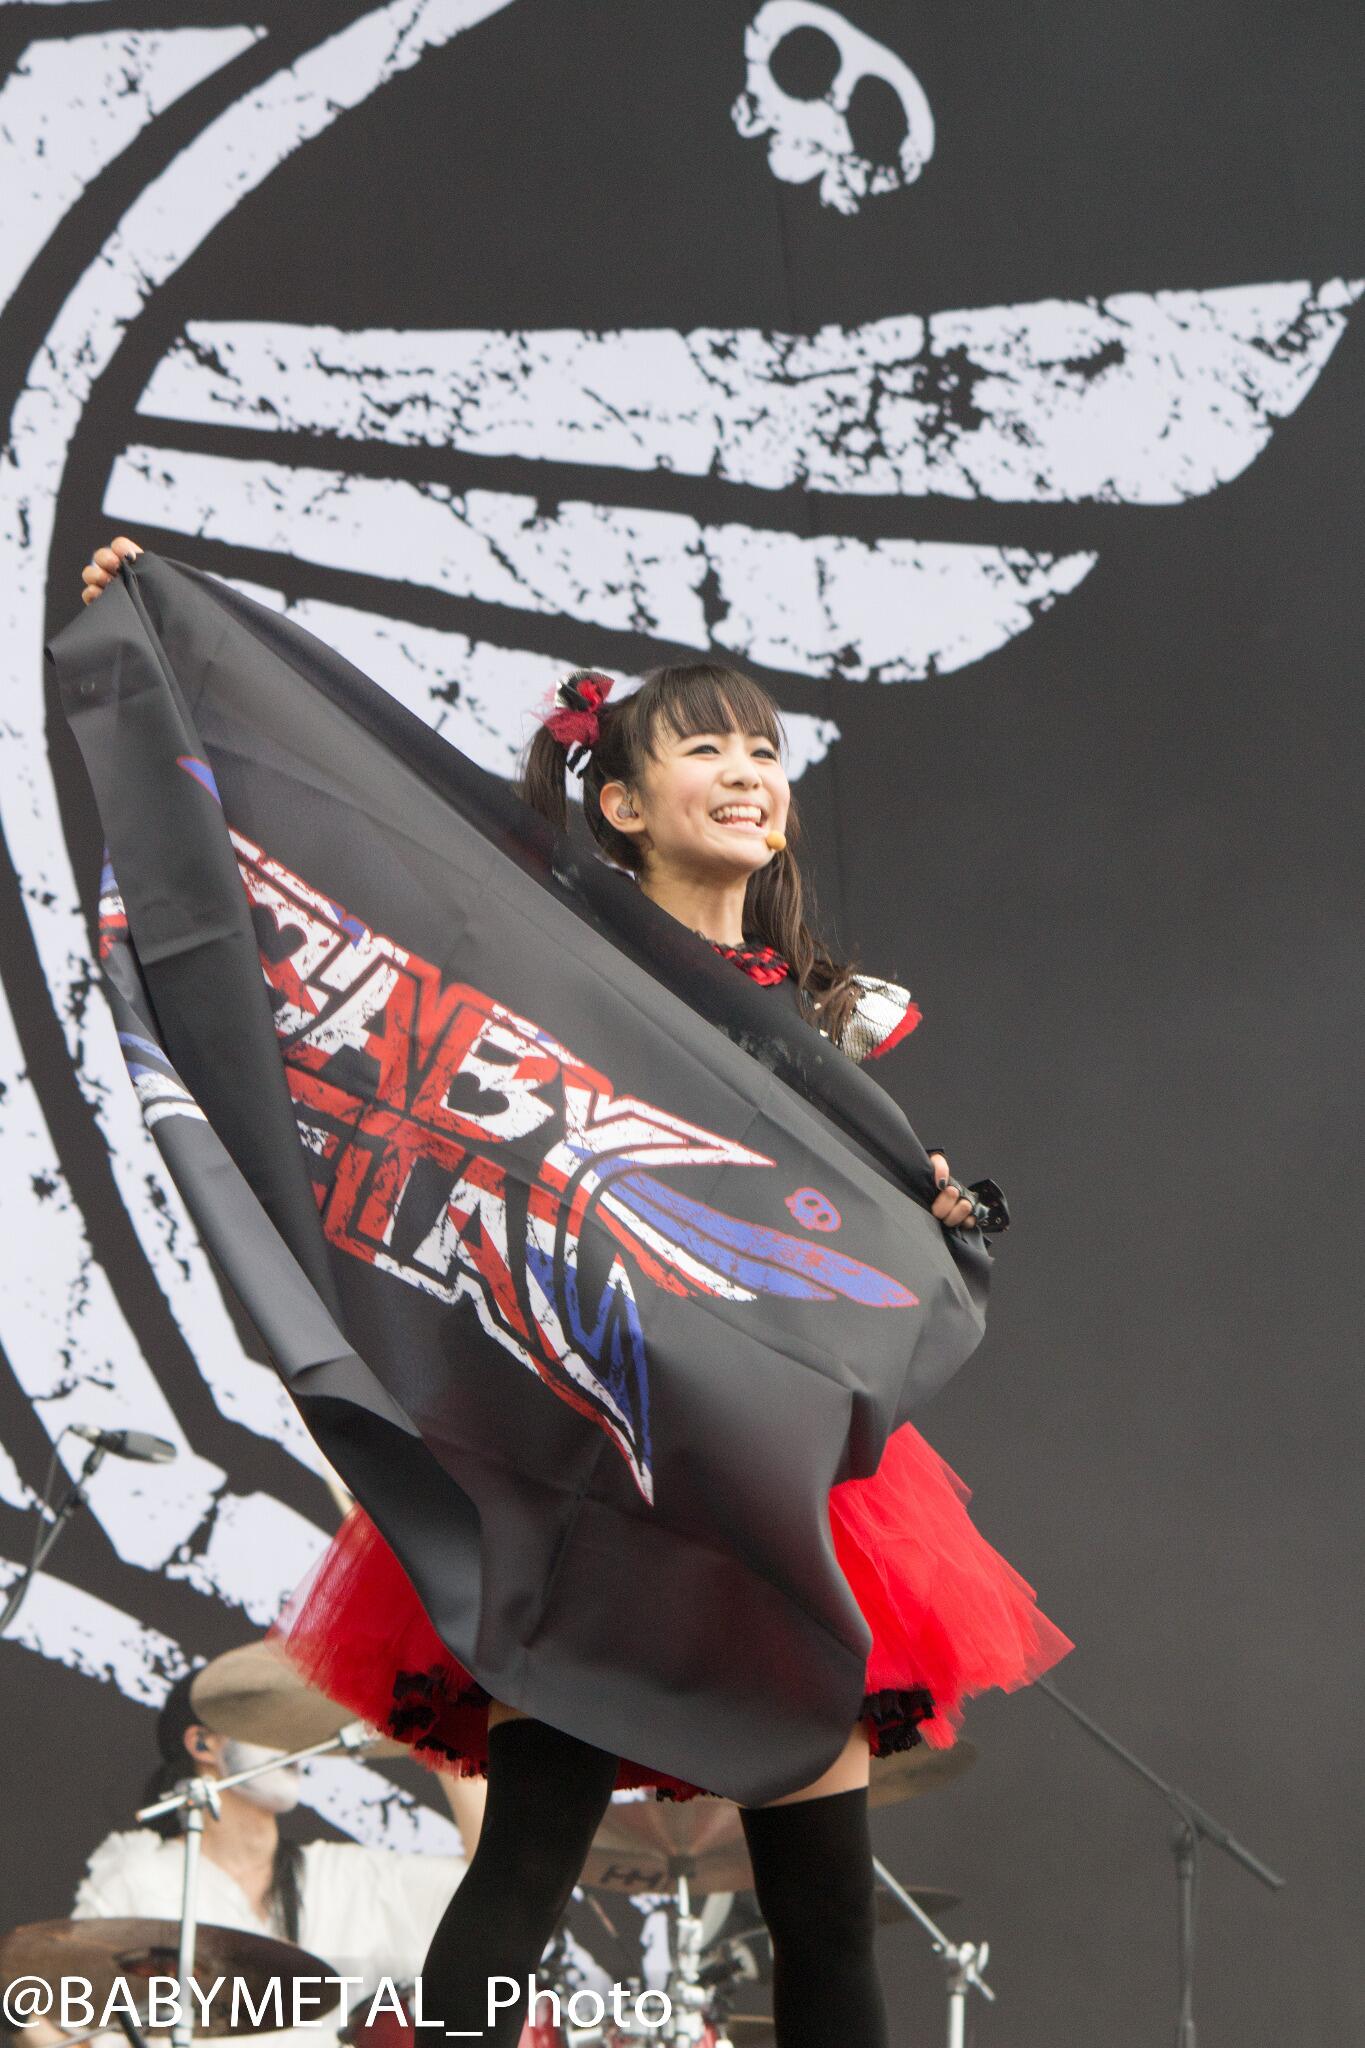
(573, 721)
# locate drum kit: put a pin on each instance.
(688, 1857)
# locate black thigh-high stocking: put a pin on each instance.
(547, 1791)
(813, 1874)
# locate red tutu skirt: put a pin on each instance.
(949, 1617)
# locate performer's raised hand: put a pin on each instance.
(104, 564)
(951, 1206)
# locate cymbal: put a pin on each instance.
(105, 1950)
(254, 1694)
(920, 1769)
(645, 1845)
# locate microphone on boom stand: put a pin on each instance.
(121, 1443)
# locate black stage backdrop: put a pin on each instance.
(1046, 535)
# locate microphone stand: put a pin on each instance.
(1194, 1826)
(61, 1515)
(191, 1800)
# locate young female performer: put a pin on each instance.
(683, 786)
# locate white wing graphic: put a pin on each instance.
(1139, 399)
(1144, 399)
(889, 611)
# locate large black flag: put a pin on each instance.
(590, 1268)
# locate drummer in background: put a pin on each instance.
(368, 1913)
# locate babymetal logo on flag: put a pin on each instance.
(462, 1149)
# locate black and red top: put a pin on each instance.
(884, 1014)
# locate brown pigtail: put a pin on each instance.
(544, 777)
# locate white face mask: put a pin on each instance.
(274, 1791)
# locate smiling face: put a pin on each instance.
(704, 803)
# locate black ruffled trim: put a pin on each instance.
(421, 1697)
(419, 1700)
(895, 1717)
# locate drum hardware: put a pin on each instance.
(695, 1995)
(734, 1960)
(963, 1960)
(106, 1950)
(707, 1976)
(596, 1907)
(692, 1848)
(690, 1997)
(891, 1913)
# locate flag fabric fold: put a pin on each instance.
(589, 1269)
